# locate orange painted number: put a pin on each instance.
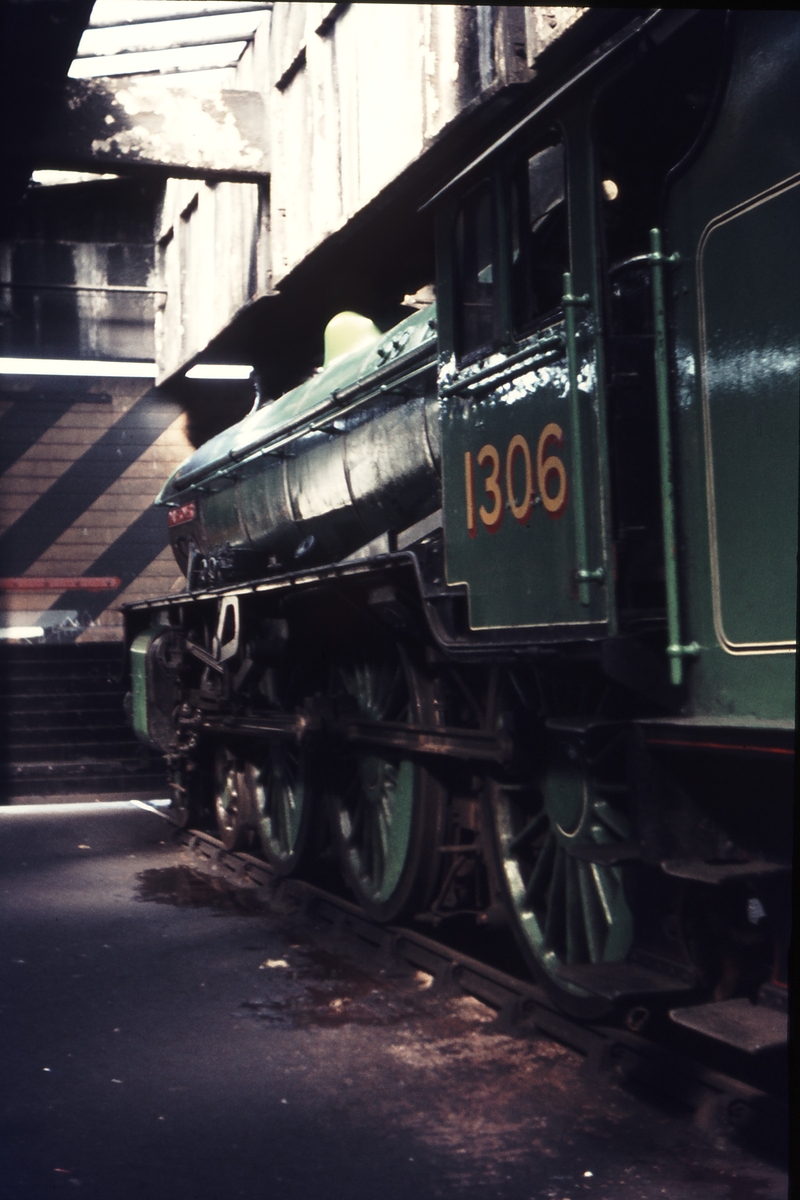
(551, 477)
(469, 479)
(491, 517)
(518, 447)
(547, 468)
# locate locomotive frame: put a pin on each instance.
(557, 689)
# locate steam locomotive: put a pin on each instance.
(500, 605)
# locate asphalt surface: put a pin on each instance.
(165, 1037)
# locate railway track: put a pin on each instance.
(720, 1104)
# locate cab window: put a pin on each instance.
(539, 236)
(475, 275)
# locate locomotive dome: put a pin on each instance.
(348, 331)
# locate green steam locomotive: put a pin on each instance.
(499, 607)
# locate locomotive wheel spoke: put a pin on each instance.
(592, 920)
(576, 931)
(615, 821)
(386, 813)
(554, 930)
(529, 833)
(542, 872)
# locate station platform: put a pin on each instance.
(166, 1034)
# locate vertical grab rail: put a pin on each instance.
(675, 650)
(583, 573)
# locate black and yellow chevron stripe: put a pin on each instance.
(78, 476)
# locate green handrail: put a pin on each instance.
(675, 649)
(583, 573)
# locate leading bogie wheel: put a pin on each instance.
(387, 812)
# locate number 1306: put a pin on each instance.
(517, 473)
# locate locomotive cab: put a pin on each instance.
(547, 319)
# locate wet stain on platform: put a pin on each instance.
(187, 888)
(310, 986)
(307, 985)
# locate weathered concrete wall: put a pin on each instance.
(353, 94)
(81, 273)
(213, 241)
(212, 253)
(350, 107)
(148, 123)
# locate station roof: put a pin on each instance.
(203, 39)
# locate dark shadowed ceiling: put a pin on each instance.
(38, 40)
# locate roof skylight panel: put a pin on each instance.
(174, 59)
(160, 35)
(128, 12)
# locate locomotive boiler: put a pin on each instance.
(499, 606)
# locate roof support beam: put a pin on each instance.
(135, 125)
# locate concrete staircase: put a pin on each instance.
(62, 725)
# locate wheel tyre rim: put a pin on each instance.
(228, 798)
(378, 807)
(376, 826)
(569, 911)
(279, 791)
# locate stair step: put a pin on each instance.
(625, 980)
(47, 722)
(16, 741)
(24, 767)
(40, 751)
(49, 770)
(737, 1023)
(62, 723)
(46, 689)
(59, 702)
(139, 785)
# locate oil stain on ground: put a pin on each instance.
(186, 888)
(311, 986)
(307, 985)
